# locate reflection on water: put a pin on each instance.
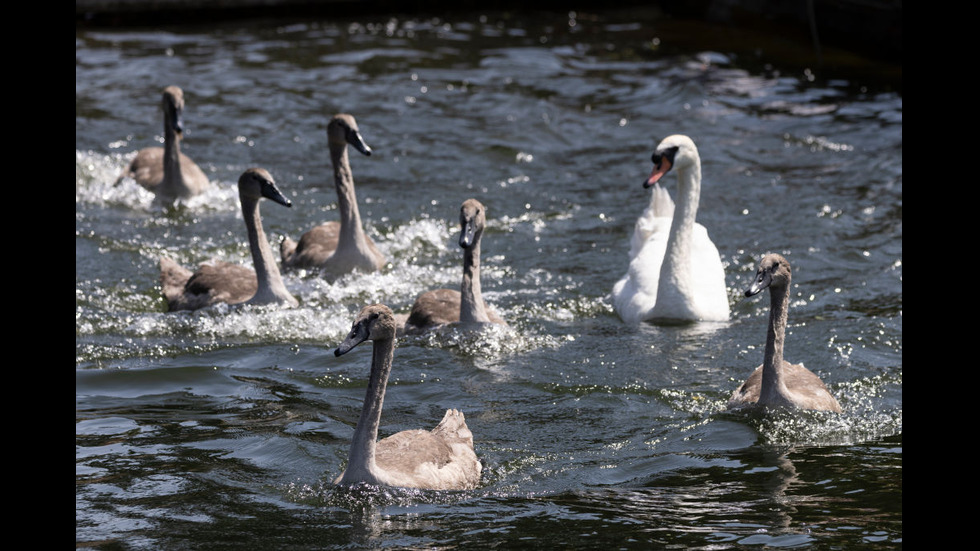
(223, 427)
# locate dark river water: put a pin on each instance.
(223, 428)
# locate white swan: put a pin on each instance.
(675, 272)
(219, 281)
(440, 459)
(337, 247)
(777, 382)
(442, 306)
(165, 171)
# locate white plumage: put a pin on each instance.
(675, 272)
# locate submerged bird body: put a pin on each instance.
(220, 281)
(337, 247)
(675, 272)
(777, 382)
(443, 306)
(440, 459)
(165, 171)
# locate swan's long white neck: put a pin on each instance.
(361, 461)
(471, 306)
(677, 260)
(271, 288)
(773, 390)
(351, 233)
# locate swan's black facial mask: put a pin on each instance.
(663, 161)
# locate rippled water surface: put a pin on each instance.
(223, 428)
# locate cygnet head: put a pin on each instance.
(257, 182)
(472, 219)
(342, 130)
(173, 107)
(374, 322)
(774, 271)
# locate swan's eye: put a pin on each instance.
(655, 158)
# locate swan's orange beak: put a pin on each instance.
(658, 171)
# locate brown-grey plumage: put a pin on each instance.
(337, 247)
(442, 306)
(440, 459)
(165, 171)
(777, 382)
(220, 281)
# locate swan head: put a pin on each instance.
(677, 151)
(256, 183)
(774, 271)
(173, 108)
(472, 219)
(342, 130)
(373, 322)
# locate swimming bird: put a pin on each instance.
(337, 247)
(442, 306)
(675, 272)
(165, 171)
(777, 382)
(440, 459)
(220, 281)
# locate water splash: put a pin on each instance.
(95, 184)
